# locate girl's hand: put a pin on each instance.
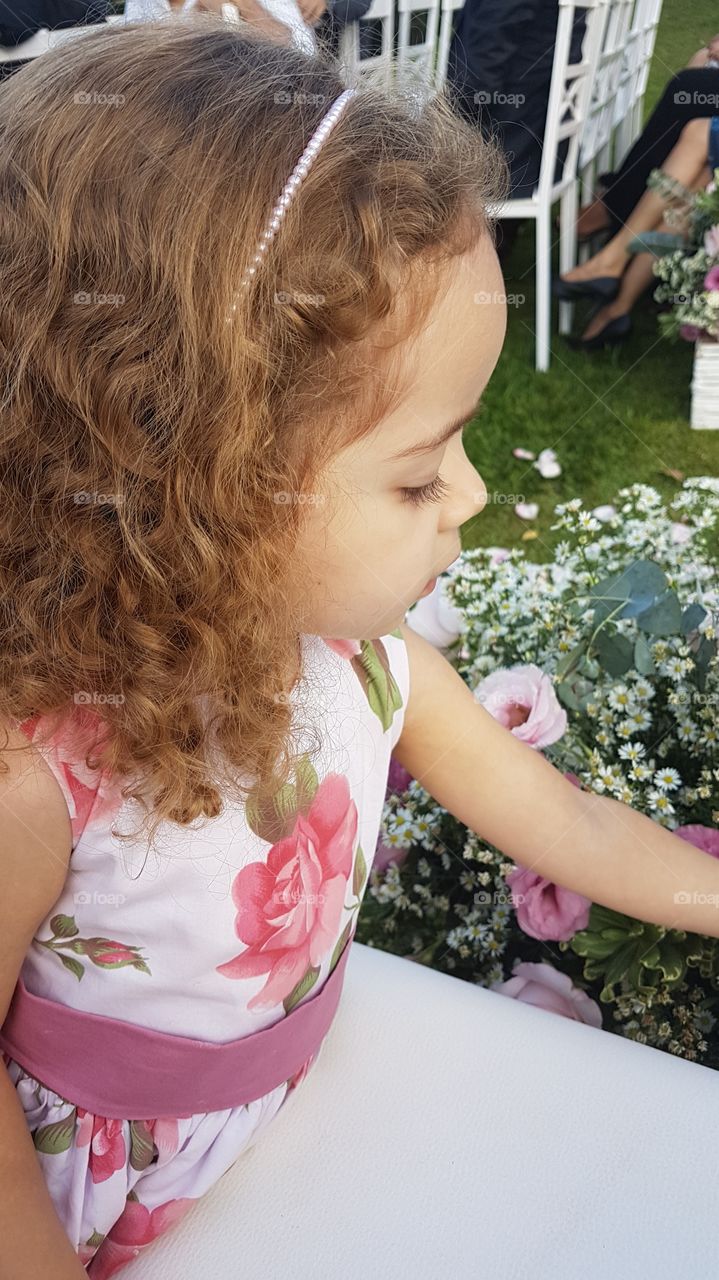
(512, 797)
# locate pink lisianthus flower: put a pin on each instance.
(545, 910)
(690, 332)
(543, 986)
(522, 698)
(398, 778)
(704, 838)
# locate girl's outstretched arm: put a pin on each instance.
(511, 796)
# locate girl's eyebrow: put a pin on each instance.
(430, 445)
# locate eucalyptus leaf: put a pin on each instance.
(616, 652)
(643, 660)
(692, 616)
(566, 694)
(662, 618)
(589, 667)
(639, 585)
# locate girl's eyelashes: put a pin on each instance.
(435, 491)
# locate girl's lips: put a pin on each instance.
(429, 588)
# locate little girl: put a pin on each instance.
(246, 312)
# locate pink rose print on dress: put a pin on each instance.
(166, 1136)
(86, 791)
(299, 1076)
(289, 910)
(107, 1143)
(345, 648)
(136, 1226)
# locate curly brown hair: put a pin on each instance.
(146, 564)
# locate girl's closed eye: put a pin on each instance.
(435, 491)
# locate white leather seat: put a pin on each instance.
(447, 1130)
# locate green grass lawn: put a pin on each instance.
(613, 417)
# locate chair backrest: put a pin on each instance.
(376, 67)
(570, 91)
(446, 29)
(598, 132)
(37, 43)
(418, 30)
(414, 42)
(44, 39)
(638, 51)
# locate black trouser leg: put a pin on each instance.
(691, 93)
(7, 68)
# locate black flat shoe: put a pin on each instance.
(618, 330)
(604, 287)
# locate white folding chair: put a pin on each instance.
(569, 93)
(446, 27)
(638, 52)
(378, 67)
(31, 48)
(417, 42)
(43, 40)
(598, 136)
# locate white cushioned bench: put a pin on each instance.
(447, 1130)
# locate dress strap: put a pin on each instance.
(124, 1071)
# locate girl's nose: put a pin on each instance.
(468, 497)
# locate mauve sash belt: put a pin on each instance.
(128, 1072)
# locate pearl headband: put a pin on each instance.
(298, 173)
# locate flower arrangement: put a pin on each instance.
(605, 658)
(687, 261)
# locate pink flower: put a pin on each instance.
(690, 332)
(85, 790)
(345, 648)
(166, 1136)
(704, 838)
(398, 778)
(543, 986)
(522, 698)
(545, 910)
(107, 1143)
(711, 240)
(386, 853)
(289, 910)
(299, 1076)
(106, 953)
(135, 1227)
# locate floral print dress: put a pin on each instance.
(183, 940)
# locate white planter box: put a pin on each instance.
(705, 387)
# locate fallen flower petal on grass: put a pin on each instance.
(524, 453)
(527, 510)
(547, 464)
